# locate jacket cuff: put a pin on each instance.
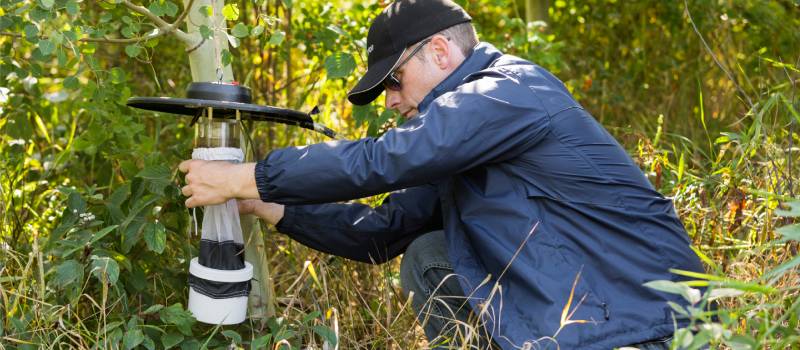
(287, 223)
(261, 179)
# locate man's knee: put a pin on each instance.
(428, 249)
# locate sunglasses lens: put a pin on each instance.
(391, 82)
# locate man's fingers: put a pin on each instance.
(187, 191)
(184, 166)
(190, 203)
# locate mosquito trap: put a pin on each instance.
(219, 277)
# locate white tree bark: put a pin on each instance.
(205, 56)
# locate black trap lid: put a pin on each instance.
(225, 99)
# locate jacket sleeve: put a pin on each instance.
(489, 119)
(360, 232)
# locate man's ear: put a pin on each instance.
(441, 51)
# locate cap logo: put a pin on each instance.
(369, 49)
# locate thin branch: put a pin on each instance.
(162, 24)
(15, 35)
(713, 56)
(100, 40)
(164, 28)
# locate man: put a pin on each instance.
(508, 195)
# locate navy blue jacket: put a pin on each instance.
(531, 191)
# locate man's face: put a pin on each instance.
(413, 88)
(419, 75)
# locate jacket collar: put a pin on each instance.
(482, 56)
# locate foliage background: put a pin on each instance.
(94, 238)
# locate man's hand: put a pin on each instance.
(272, 213)
(214, 182)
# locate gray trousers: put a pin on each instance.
(440, 304)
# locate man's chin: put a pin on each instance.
(410, 113)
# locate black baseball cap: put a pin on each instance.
(397, 27)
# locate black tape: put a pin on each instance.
(227, 255)
(219, 290)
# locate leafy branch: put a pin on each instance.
(163, 26)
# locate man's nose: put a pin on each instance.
(392, 99)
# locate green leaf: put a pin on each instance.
(118, 75)
(155, 235)
(232, 40)
(235, 337)
(327, 334)
(72, 7)
(191, 344)
(336, 29)
(364, 113)
(276, 38)
(47, 4)
(71, 82)
(724, 293)
(132, 233)
(105, 269)
(176, 315)
(240, 30)
(132, 338)
(105, 17)
(133, 50)
(157, 177)
(231, 12)
(5, 22)
(206, 11)
(260, 342)
(56, 37)
(22, 130)
(157, 8)
(227, 58)
(257, 30)
(148, 343)
(171, 339)
(339, 65)
(667, 286)
(376, 124)
(783, 268)
(170, 9)
(67, 273)
(741, 342)
(794, 209)
(31, 31)
(678, 308)
(310, 316)
(128, 32)
(46, 47)
(153, 309)
(206, 32)
(62, 58)
(789, 233)
(39, 14)
(690, 294)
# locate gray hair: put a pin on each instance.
(462, 34)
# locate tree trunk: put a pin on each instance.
(536, 10)
(205, 62)
(205, 59)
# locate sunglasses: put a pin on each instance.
(392, 82)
